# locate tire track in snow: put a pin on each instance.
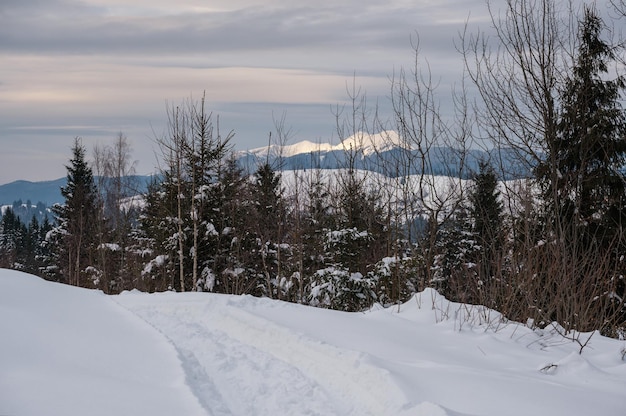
(196, 378)
(238, 363)
(231, 377)
(360, 387)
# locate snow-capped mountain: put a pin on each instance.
(385, 152)
(363, 143)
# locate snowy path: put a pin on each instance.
(244, 355)
(240, 364)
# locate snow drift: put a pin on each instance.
(69, 351)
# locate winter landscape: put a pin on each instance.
(455, 247)
(70, 351)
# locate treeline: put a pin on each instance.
(23, 245)
(27, 210)
(22, 241)
(549, 248)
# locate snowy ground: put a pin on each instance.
(68, 351)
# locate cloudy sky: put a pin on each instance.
(94, 68)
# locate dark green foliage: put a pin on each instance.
(159, 224)
(268, 196)
(454, 269)
(338, 288)
(76, 234)
(235, 239)
(583, 183)
(587, 187)
(359, 238)
(270, 219)
(485, 212)
(11, 236)
(23, 247)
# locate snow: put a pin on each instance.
(68, 351)
(365, 142)
(156, 262)
(303, 147)
(110, 247)
(372, 143)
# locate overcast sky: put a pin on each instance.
(94, 68)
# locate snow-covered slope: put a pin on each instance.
(67, 351)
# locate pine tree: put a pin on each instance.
(361, 236)
(204, 154)
(454, 268)
(42, 251)
(76, 219)
(235, 221)
(486, 215)
(584, 187)
(9, 238)
(590, 148)
(270, 224)
(29, 246)
(150, 240)
(160, 225)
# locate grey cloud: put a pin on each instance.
(65, 27)
(110, 48)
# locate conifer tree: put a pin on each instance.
(42, 251)
(235, 221)
(454, 262)
(361, 238)
(203, 154)
(270, 223)
(590, 148)
(486, 215)
(76, 219)
(9, 238)
(153, 242)
(584, 187)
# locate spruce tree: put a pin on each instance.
(585, 186)
(9, 238)
(270, 224)
(588, 194)
(486, 215)
(76, 220)
(235, 220)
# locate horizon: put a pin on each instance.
(97, 68)
(119, 65)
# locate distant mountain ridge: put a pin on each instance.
(48, 192)
(383, 153)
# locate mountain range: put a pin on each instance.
(49, 192)
(383, 153)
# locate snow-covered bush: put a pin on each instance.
(346, 246)
(395, 279)
(337, 288)
(454, 271)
